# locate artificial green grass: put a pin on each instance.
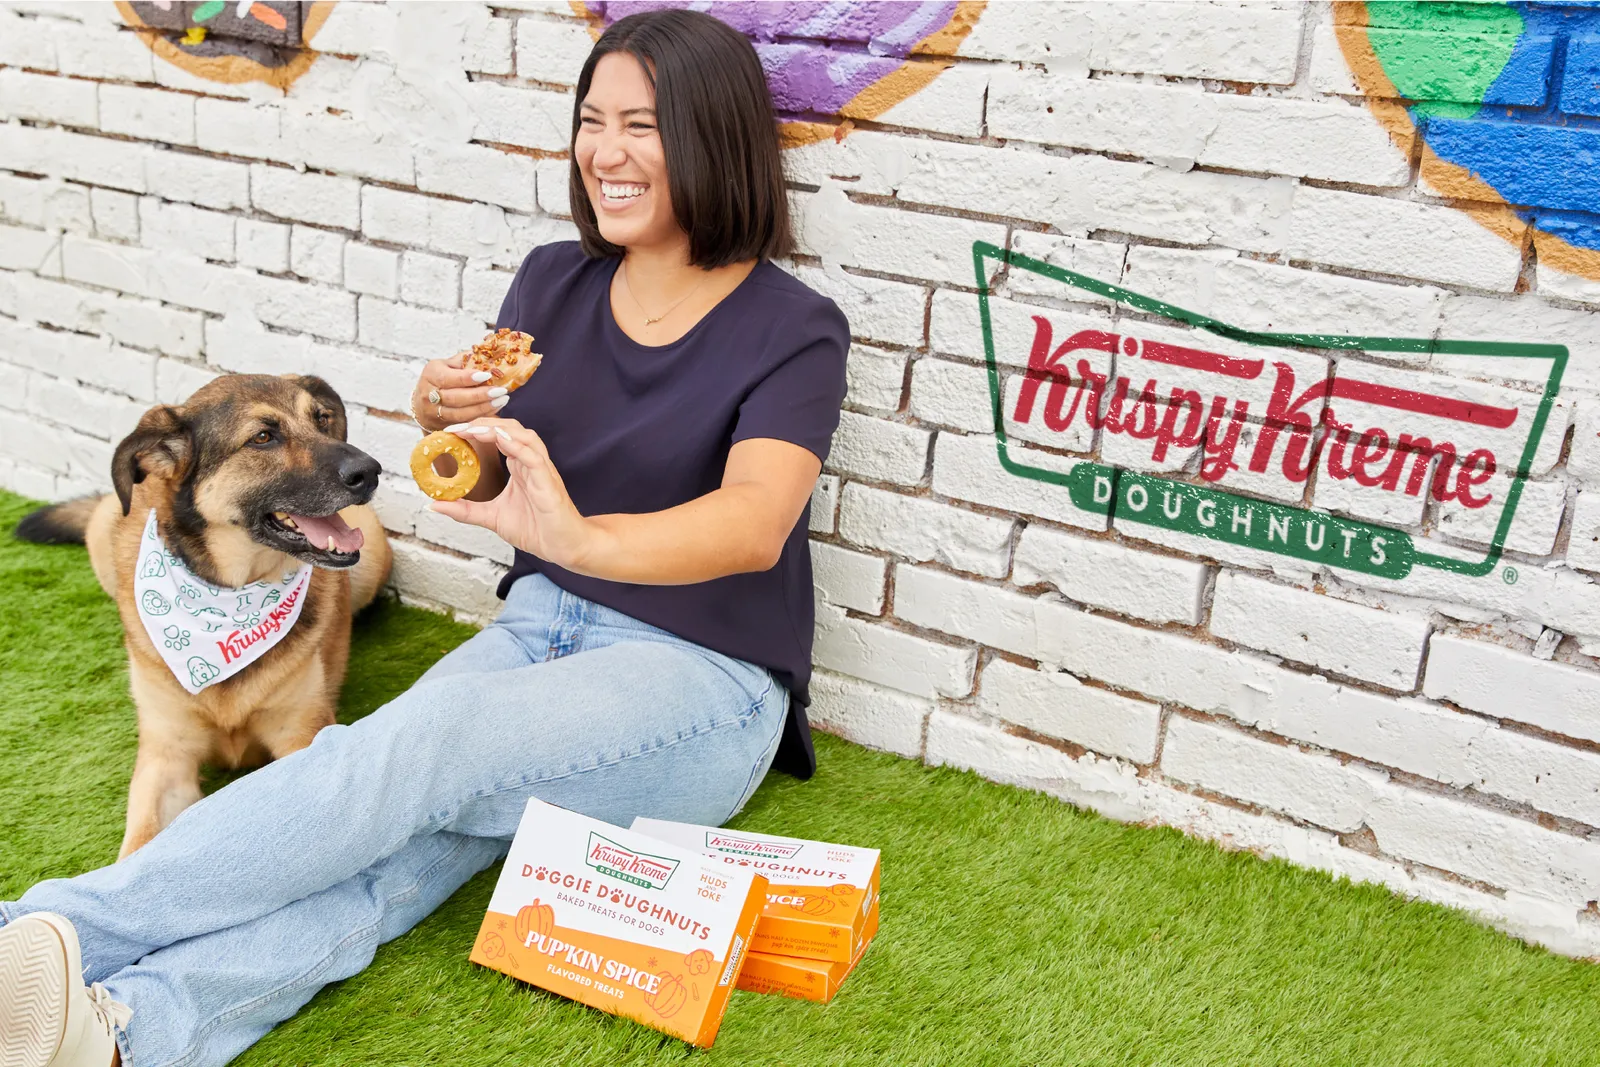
(1016, 930)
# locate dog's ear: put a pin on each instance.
(323, 393)
(160, 444)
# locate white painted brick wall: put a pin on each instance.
(157, 228)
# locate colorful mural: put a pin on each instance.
(240, 41)
(1505, 99)
(854, 60)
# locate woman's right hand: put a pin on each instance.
(462, 394)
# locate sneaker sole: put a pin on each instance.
(33, 993)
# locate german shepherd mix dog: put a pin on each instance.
(249, 479)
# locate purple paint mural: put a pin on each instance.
(830, 59)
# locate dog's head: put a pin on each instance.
(256, 454)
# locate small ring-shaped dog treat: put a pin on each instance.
(436, 485)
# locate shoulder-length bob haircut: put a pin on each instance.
(719, 135)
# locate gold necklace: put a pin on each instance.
(648, 321)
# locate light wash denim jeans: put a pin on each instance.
(289, 878)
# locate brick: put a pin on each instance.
(483, 290)
(313, 198)
(878, 653)
(1496, 146)
(550, 51)
(473, 540)
(1330, 140)
(824, 504)
(1580, 82)
(375, 271)
(1329, 73)
(1484, 318)
(487, 47)
(1359, 642)
(264, 246)
(478, 173)
(1233, 42)
(389, 441)
(47, 98)
(1112, 576)
(430, 281)
(372, 380)
(528, 118)
(148, 114)
(1058, 705)
(944, 393)
(8, 292)
(74, 156)
(552, 182)
(1314, 788)
(239, 128)
(146, 324)
(476, 231)
(1583, 548)
(968, 468)
(345, 145)
(317, 254)
(98, 51)
(875, 378)
(89, 411)
(849, 579)
(430, 578)
(1485, 845)
(956, 327)
(181, 228)
(925, 531)
(313, 309)
(412, 331)
(1457, 60)
(22, 46)
(1274, 298)
(1534, 527)
(912, 244)
(177, 381)
(1511, 685)
(1100, 260)
(1016, 34)
(867, 714)
(212, 183)
(879, 310)
(879, 449)
(952, 103)
(397, 503)
(116, 215)
(29, 250)
(1423, 241)
(91, 360)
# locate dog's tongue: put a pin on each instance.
(318, 529)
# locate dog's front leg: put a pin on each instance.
(166, 772)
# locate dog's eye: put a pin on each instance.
(324, 420)
(262, 438)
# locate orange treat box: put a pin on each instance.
(792, 976)
(820, 894)
(619, 921)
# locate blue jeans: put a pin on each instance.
(289, 878)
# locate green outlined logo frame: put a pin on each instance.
(1391, 551)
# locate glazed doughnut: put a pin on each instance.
(507, 355)
(430, 480)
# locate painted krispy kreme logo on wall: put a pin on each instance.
(1265, 413)
(744, 846)
(642, 869)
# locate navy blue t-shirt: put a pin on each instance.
(634, 428)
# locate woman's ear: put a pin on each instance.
(160, 444)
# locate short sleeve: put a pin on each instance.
(798, 400)
(511, 306)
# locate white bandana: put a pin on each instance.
(206, 632)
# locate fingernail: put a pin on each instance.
(498, 390)
(499, 402)
(476, 431)
(501, 433)
(481, 376)
(456, 427)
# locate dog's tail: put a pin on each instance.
(58, 524)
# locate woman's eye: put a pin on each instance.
(641, 126)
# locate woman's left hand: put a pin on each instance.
(533, 512)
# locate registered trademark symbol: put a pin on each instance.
(1510, 575)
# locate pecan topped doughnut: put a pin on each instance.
(507, 355)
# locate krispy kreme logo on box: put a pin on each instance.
(1266, 413)
(608, 857)
(744, 846)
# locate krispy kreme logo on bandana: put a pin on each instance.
(630, 865)
(1251, 427)
(208, 633)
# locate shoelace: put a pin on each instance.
(111, 1013)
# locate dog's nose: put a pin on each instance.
(360, 473)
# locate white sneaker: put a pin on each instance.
(47, 1017)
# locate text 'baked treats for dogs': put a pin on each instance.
(620, 921)
(820, 894)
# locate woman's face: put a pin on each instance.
(619, 154)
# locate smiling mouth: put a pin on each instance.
(620, 193)
(322, 535)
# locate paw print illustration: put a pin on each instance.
(176, 637)
(247, 618)
(188, 591)
(616, 896)
(540, 873)
(154, 603)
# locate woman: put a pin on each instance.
(653, 653)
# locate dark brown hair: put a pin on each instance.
(718, 132)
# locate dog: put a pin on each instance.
(249, 479)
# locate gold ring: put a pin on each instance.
(439, 408)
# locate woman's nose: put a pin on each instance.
(609, 151)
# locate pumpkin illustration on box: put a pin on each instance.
(535, 920)
(670, 996)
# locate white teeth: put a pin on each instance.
(619, 191)
(330, 543)
(283, 517)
